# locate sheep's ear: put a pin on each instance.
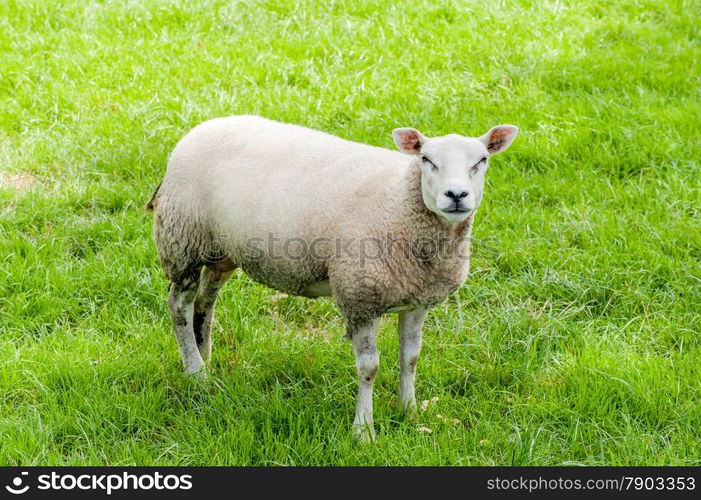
(499, 138)
(408, 140)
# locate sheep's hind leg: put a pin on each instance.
(410, 324)
(212, 279)
(181, 301)
(367, 362)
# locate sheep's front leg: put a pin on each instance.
(410, 324)
(181, 301)
(367, 362)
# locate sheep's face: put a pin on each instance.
(453, 167)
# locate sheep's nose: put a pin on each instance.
(455, 196)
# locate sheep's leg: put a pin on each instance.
(367, 362)
(181, 301)
(212, 279)
(410, 324)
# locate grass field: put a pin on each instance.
(574, 341)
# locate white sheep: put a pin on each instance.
(312, 214)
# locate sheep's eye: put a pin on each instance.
(426, 160)
(475, 167)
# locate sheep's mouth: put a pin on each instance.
(456, 210)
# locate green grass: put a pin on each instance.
(575, 340)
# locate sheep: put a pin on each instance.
(311, 214)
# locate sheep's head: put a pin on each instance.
(453, 167)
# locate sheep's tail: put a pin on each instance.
(152, 202)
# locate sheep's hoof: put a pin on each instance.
(409, 411)
(411, 415)
(363, 433)
(199, 375)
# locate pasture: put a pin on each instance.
(574, 341)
